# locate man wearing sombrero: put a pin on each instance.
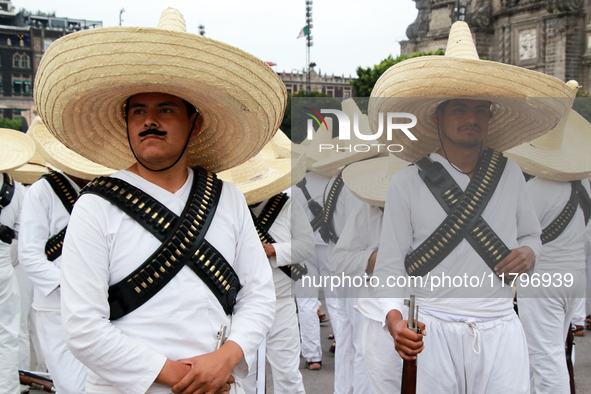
(16, 150)
(44, 220)
(560, 162)
(462, 212)
(158, 257)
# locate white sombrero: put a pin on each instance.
(266, 174)
(36, 167)
(85, 78)
(345, 157)
(369, 180)
(563, 154)
(311, 149)
(526, 103)
(60, 157)
(16, 149)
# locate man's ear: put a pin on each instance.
(436, 118)
(198, 125)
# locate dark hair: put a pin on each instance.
(190, 108)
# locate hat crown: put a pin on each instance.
(171, 19)
(460, 43)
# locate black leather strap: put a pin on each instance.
(6, 192)
(313, 205)
(263, 223)
(464, 211)
(182, 242)
(578, 197)
(67, 194)
(327, 230)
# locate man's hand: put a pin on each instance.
(406, 342)
(519, 261)
(210, 373)
(269, 249)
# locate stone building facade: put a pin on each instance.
(550, 36)
(334, 86)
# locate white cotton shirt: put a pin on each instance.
(567, 252)
(359, 239)
(294, 242)
(412, 214)
(315, 184)
(10, 217)
(103, 245)
(42, 217)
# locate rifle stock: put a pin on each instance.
(36, 381)
(409, 368)
(569, 361)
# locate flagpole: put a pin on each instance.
(309, 42)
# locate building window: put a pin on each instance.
(288, 90)
(46, 44)
(8, 42)
(346, 94)
(27, 87)
(16, 60)
(17, 86)
(24, 61)
(1, 87)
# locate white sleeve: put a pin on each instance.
(352, 251)
(10, 217)
(255, 305)
(301, 245)
(127, 364)
(395, 242)
(35, 223)
(529, 230)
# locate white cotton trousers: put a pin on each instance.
(473, 357)
(26, 295)
(308, 304)
(68, 374)
(382, 362)
(283, 352)
(9, 330)
(350, 375)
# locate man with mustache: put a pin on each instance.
(161, 254)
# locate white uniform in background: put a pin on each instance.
(294, 244)
(318, 267)
(9, 298)
(546, 312)
(359, 239)
(43, 217)
(104, 245)
(473, 345)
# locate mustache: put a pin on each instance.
(152, 131)
(471, 126)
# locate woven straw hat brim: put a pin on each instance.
(369, 180)
(569, 162)
(16, 149)
(70, 162)
(29, 173)
(527, 103)
(85, 78)
(281, 176)
(38, 156)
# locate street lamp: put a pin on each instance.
(459, 11)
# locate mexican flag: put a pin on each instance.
(303, 32)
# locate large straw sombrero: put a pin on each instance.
(526, 103)
(85, 78)
(266, 174)
(16, 149)
(312, 151)
(60, 157)
(344, 156)
(29, 173)
(563, 154)
(369, 180)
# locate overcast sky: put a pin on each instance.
(346, 33)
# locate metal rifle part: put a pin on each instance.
(409, 368)
(221, 337)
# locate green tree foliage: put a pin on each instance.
(367, 77)
(14, 124)
(294, 123)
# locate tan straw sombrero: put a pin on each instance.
(60, 157)
(38, 156)
(311, 149)
(356, 146)
(369, 180)
(29, 173)
(16, 149)
(266, 174)
(563, 154)
(85, 78)
(526, 103)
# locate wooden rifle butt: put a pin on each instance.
(569, 362)
(409, 377)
